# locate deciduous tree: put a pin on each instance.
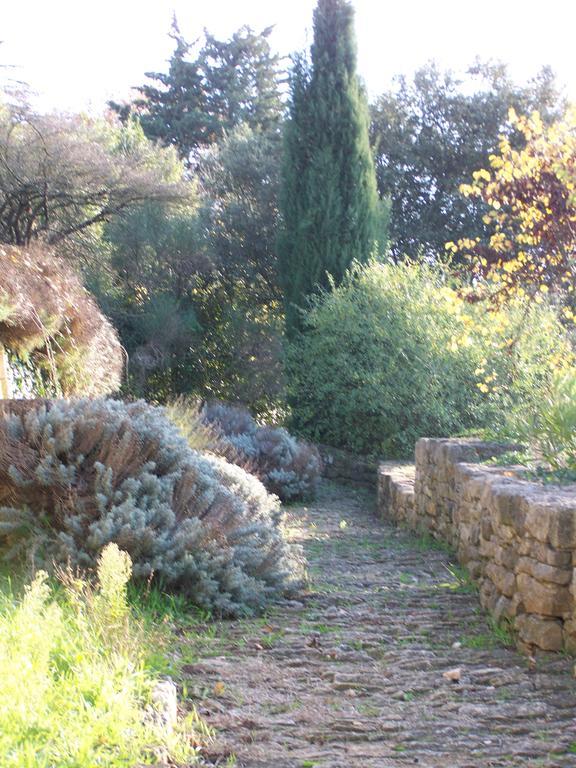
(431, 133)
(60, 174)
(530, 195)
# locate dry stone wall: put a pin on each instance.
(516, 538)
(340, 465)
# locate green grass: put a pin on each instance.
(422, 540)
(499, 635)
(77, 678)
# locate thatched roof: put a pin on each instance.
(45, 312)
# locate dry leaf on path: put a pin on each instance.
(453, 675)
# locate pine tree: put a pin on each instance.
(329, 199)
(209, 91)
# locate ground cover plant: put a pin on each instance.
(77, 685)
(77, 475)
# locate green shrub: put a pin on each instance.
(395, 354)
(551, 430)
(288, 467)
(76, 688)
(81, 474)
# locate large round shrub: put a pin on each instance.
(394, 354)
(76, 475)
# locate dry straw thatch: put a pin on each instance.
(45, 312)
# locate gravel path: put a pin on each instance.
(354, 674)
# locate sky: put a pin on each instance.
(75, 54)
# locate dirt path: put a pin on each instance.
(353, 675)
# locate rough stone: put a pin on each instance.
(504, 609)
(562, 533)
(542, 572)
(546, 555)
(540, 631)
(543, 598)
(570, 635)
(538, 520)
(165, 705)
(504, 581)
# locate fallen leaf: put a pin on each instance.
(219, 688)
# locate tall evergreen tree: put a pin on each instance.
(329, 199)
(210, 90)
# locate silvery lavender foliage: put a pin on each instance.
(99, 471)
(288, 467)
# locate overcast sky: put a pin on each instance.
(77, 54)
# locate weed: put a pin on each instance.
(409, 696)
(500, 634)
(271, 639)
(460, 580)
(77, 676)
(422, 539)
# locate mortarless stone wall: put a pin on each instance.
(516, 538)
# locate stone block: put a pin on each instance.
(505, 533)
(503, 579)
(488, 548)
(569, 635)
(489, 595)
(562, 532)
(540, 631)
(504, 609)
(546, 599)
(486, 527)
(538, 520)
(474, 568)
(506, 504)
(543, 572)
(505, 556)
(544, 554)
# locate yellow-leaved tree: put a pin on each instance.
(530, 195)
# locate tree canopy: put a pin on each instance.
(210, 89)
(530, 196)
(431, 133)
(60, 174)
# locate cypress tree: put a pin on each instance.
(329, 199)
